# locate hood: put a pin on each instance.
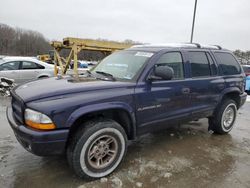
(51, 87)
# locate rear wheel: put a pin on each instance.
(97, 149)
(224, 117)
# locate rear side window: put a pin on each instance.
(227, 63)
(199, 64)
(31, 65)
(173, 60)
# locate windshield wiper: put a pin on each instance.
(106, 75)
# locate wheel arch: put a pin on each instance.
(232, 93)
(121, 113)
(43, 76)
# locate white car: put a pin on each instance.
(22, 69)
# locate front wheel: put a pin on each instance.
(224, 117)
(97, 149)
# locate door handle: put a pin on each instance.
(185, 90)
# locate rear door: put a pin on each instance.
(204, 82)
(30, 70)
(11, 70)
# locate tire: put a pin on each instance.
(97, 149)
(224, 117)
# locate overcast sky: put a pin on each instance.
(223, 22)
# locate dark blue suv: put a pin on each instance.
(131, 92)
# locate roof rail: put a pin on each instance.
(180, 45)
(196, 44)
(219, 47)
(207, 46)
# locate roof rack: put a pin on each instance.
(196, 44)
(177, 45)
(219, 47)
(180, 45)
(216, 47)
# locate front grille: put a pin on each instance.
(17, 107)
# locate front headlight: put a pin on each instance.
(38, 120)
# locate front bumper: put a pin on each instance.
(243, 98)
(42, 143)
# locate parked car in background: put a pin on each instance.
(246, 69)
(80, 64)
(83, 64)
(22, 69)
(92, 63)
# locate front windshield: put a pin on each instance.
(123, 64)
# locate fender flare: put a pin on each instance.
(103, 106)
(227, 91)
(230, 90)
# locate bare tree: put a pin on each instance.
(16, 41)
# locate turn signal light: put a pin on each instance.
(44, 126)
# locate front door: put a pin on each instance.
(161, 101)
(10, 70)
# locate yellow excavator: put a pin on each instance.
(44, 57)
(48, 58)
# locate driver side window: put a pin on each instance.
(173, 60)
(14, 65)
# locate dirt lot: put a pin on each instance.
(183, 156)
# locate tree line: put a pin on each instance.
(22, 42)
(243, 56)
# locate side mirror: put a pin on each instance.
(162, 72)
